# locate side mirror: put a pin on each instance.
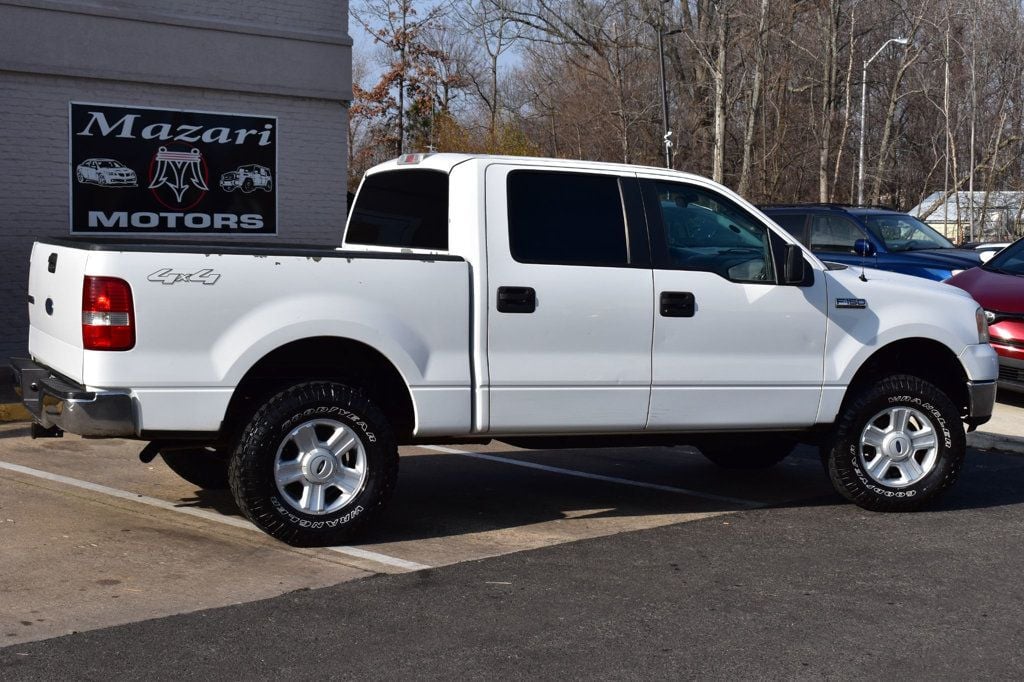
(864, 248)
(795, 266)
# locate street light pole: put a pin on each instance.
(863, 113)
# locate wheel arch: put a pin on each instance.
(352, 362)
(928, 359)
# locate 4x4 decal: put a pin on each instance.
(168, 276)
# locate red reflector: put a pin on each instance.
(107, 314)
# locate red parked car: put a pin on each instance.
(998, 286)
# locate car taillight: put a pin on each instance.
(107, 314)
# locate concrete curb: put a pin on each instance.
(13, 412)
(995, 441)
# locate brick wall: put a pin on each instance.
(35, 89)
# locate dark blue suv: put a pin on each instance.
(898, 242)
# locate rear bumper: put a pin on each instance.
(57, 402)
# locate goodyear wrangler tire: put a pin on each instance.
(315, 464)
(896, 446)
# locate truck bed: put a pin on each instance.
(207, 312)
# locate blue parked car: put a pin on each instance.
(896, 241)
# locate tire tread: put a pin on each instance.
(845, 481)
(248, 487)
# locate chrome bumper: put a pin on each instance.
(57, 402)
(981, 398)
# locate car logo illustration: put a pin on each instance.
(105, 173)
(178, 171)
(247, 178)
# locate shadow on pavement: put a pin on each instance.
(446, 495)
(219, 501)
(17, 432)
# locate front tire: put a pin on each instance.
(315, 464)
(897, 445)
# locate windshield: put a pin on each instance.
(1009, 261)
(902, 232)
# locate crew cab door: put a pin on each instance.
(732, 347)
(570, 313)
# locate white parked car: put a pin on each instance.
(481, 297)
(105, 172)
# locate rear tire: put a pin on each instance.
(898, 445)
(315, 465)
(748, 451)
(204, 468)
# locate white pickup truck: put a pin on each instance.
(532, 300)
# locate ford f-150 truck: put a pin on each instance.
(538, 301)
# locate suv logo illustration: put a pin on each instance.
(178, 171)
(105, 173)
(247, 178)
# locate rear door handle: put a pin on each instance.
(516, 300)
(678, 304)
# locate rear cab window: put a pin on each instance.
(567, 218)
(405, 209)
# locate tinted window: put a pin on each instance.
(406, 208)
(566, 218)
(833, 233)
(706, 231)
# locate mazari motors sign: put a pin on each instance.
(166, 171)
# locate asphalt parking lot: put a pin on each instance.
(627, 548)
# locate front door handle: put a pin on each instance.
(678, 304)
(516, 300)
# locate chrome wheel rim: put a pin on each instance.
(898, 447)
(320, 467)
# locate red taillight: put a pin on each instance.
(107, 314)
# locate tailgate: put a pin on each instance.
(55, 307)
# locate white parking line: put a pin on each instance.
(201, 513)
(596, 477)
